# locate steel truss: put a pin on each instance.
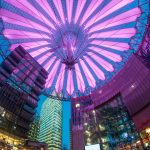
(144, 50)
(140, 44)
(140, 49)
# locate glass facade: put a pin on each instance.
(51, 124)
(21, 82)
(111, 126)
(33, 133)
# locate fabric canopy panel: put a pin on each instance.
(81, 43)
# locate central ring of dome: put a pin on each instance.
(69, 44)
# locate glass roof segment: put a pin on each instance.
(81, 43)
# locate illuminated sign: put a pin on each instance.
(93, 147)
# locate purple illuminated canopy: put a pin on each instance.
(81, 43)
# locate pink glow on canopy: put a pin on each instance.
(45, 49)
(107, 7)
(23, 6)
(110, 55)
(118, 20)
(49, 47)
(47, 82)
(69, 9)
(121, 33)
(12, 47)
(38, 52)
(49, 63)
(43, 58)
(79, 9)
(89, 76)
(58, 5)
(92, 7)
(34, 44)
(35, 53)
(60, 80)
(16, 34)
(18, 19)
(29, 45)
(118, 45)
(31, 10)
(80, 81)
(7, 18)
(108, 23)
(52, 74)
(70, 84)
(112, 7)
(102, 62)
(45, 5)
(96, 69)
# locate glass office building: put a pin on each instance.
(51, 124)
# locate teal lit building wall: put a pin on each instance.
(4, 47)
(66, 126)
(51, 124)
(33, 133)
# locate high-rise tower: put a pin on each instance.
(51, 124)
(34, 129)
(22, 80)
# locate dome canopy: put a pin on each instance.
(81, 43)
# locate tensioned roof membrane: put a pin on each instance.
(81, 43)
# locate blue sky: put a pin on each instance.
(66, 125)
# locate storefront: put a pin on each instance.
(10, 142)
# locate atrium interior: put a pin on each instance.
(74, 75)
